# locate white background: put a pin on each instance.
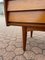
(1, 0)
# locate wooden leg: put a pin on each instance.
(24, 29)
(31, 33)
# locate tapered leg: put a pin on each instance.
(31, 33)
(24, 29)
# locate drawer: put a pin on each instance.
(27, 17)
(25, 5)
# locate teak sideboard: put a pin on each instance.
(30, 14)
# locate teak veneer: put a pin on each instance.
(29, 14)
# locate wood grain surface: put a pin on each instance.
(27, 17)
(25, 5)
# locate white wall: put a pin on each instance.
(1, 0)
(1, 8)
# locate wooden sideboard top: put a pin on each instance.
(25, 5)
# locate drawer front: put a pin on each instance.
(27, 17)
(25, 5)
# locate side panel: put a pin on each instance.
(5, 10)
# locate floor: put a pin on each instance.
(11, 43)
